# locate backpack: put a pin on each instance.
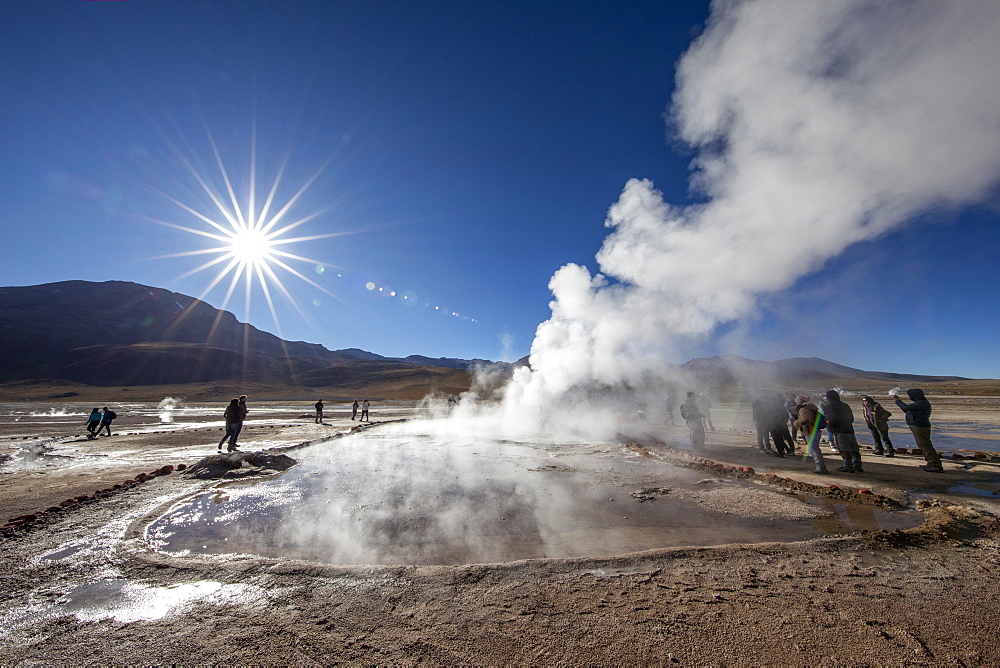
(683, 412)
(110, 415)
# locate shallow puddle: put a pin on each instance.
(404, 496)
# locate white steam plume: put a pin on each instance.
(816, 125)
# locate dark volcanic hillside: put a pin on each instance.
(119, 333)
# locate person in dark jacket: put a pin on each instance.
(319, 412)
(234, 422)
(759, 408)
(777, 425)
(692, 415)
(918, 419)
(877, 419)
(106, 418)
(840, 419)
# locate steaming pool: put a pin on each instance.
(415, 494)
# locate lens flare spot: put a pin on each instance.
(320, 269)
(316, 302)
(369, 285)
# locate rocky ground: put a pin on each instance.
(81, 586)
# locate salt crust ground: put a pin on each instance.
(925, 597)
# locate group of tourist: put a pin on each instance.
(100, 421)
(782, 420)
(354, 411)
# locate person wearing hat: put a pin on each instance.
(918, 419)
(840, 419)
(877, 419)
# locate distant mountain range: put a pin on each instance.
(124, 334)
(129, 335)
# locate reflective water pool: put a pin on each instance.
(408, 495)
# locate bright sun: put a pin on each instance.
(252, 247)
(249, 235)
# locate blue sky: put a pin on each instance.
(467, 150)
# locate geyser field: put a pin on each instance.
(435, 540)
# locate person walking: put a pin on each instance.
(106, 419)
(705, 406)
(668, 404)
(93, 422)
(354, 410)
(319, 412)
(840, 419)
(234, 422)
(918, 419)
(364, 411)
(877, 419)
(694, 419)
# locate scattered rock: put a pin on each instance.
(226, 465)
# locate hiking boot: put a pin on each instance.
(823, 472)
(932, 469)
(890, 453)
(859, 470)
(844, 469)
(880, 451)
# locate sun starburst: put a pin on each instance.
(250, 243)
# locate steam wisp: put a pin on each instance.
(815, 126)
(166, 408)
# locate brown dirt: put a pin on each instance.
(870, 598)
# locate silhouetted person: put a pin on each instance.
(692, 415)
(759, 410)
(668, 404)
(234, 421)
(840, 419)
(777, 425)
(705, 406)
(918, 418)
(792, 406)
(319, 412)
(364, 411)
(354, 409)
(93, 422)
(106, 419)
(877, 419)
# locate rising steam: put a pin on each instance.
(815, 125)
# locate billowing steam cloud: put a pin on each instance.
(816, 125)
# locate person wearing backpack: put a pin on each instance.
(234, 422)
(877, 419)
(106, 418)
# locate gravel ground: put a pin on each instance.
(81, 587)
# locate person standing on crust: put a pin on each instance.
(692, 415)
(106, 419)
(808, 425)
(233, 417)
(705, 406)
(759, 410)
(93, 422)
(354, 410)
(877, 419)
(319, 412)
(364, 411)
(840, 419)
(918, 418)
